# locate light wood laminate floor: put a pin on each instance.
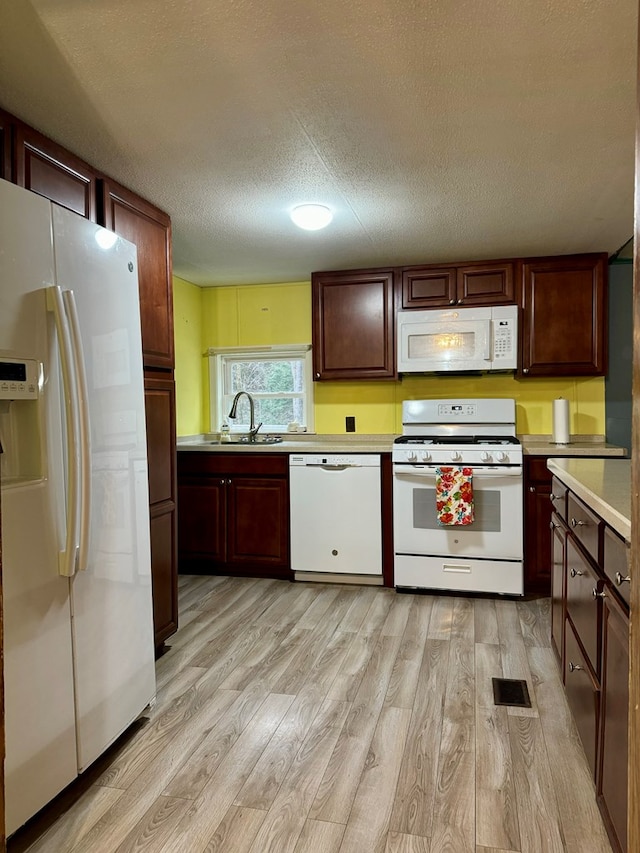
(313, 718)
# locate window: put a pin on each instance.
(279, 380)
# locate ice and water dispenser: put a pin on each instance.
(20, 420)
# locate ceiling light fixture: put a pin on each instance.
(311, 217)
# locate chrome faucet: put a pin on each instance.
(253, 429)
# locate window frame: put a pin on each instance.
(218, 357)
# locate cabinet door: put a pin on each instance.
(564, 316)
(429, 287)
(150, 229)
(583, 695)
(537, 520)
(582, 606)
(614, 717)
(491, 283)
(161, 459)
(353, 325)
(163, 567)
(558, 588)
(201, 522)
(6, 124)
(46, 168)
(258, 523)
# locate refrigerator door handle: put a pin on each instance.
(67, 559)
(82, 397)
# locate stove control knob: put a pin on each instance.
(485, 457)
(456, 456)
(412, 457)
(503, 457)
(426, 457)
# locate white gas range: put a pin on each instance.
(485, 555)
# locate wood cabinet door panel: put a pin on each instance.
(257, 514)
(486, 284)
(582, 607)
(612, 784)
(564, 316)
(163, 572)
(558, 590)
(150, 230)
(428, 288)
(6, 124)
(583, 695)
(353, 325)
(537, 531)
(46, 168)
(160, 410)
(202, 518)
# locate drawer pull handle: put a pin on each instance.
(554, 497)
(552, 526)
(573, 667)
(576, 523)
(596, 594)
(576, 573)
(620, 579)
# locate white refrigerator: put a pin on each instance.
(78, 654)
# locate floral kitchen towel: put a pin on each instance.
(454, 495)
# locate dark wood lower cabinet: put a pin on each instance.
(233, 514)
(590, 635)
(614, 721)
(537, 529)
(160, 409)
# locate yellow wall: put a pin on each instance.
(281, 314)
(187, 325)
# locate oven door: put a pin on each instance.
(496, 532)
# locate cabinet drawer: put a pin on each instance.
(582, 606)
(585, 526)
(203, 463)
(558, 497)
(583, 695)
(617, 563)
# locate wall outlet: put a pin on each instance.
(350, 424)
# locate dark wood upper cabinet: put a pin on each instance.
(46, 168)
(6, 124)
(438, 286)
(353, 324)
(563, 330)
(150, 229)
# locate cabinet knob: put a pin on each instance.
(460, 301)
(228, 482)
(554, 497)
(532, 488)
(596, 594)
(574, 666)
(317, 376)
(552, 526)
(576, 523)
(525, 369)
(576, 573)
(620, 579)
(452, 302)
(222, 482)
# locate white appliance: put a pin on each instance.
(78, 653)
(458, 339)
(486, 555)
(336, 515)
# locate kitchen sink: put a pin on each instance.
(256, 439)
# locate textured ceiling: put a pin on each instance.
(434, 129)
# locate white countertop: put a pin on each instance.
(579, 445)
(603, 484)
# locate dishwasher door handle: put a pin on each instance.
(334, 467)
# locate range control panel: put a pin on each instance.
(456, 410)
(19, 379)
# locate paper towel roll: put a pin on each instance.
(561, 421)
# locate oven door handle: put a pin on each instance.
(479, 472)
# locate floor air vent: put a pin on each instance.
(511, 691)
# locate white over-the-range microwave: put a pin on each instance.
(458, 340)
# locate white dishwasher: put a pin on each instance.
(336, 516)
